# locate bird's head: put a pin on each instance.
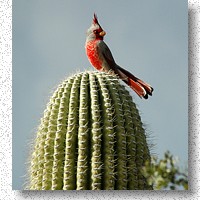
(95, 31)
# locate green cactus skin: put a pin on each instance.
(90, 138)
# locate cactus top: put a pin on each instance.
(90, 137)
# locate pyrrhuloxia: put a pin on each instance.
(101, 58)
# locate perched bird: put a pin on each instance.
(101, 58)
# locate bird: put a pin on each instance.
(101, 58)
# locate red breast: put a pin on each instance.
(93, 55)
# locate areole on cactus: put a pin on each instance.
(90, 138)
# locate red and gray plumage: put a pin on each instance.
(101, 58)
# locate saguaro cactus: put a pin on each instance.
(91, 137)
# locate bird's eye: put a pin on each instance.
(95, 31)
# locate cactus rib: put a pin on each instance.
(91, 137)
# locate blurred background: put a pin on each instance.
(148, 38)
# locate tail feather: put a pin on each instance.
(140, 87)
(146, 86)
(137, 88)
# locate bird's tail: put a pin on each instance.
(140, 87)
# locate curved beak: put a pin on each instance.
(102, 33)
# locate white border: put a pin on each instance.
(6, 121)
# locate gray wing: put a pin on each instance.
(107, 55)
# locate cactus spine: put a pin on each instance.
(91, 137)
